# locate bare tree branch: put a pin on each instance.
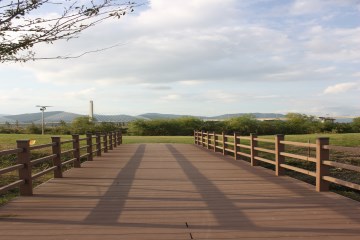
(80, 55)
(20, 29)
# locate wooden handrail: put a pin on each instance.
(265, 150)
(41, 146)
(11, 151)
(321, 147)
(43, 159)
(299, 144)
(296, 156)
(355, 150)
(342, 165)
(24, 165)
(67, 141)
(264, 140)
(265, 160)
(11, 168)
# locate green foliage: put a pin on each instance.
(33, 129)
(106, 127)
(63, 129)
(81, 125)
(301, 124)
(165, 127)
(356, 124)
(213, 126)
(243, 125)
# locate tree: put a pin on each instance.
(243, 125)
(298, 123)
(21, 29)
(356, 124)
(81, 125)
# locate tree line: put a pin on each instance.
(80, 125)
(244, 125)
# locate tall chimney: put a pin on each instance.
(91, 113)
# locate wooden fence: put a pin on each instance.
(94, 145)
(230, 144)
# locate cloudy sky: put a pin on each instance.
(202, 57)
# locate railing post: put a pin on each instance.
(223, 143)
(89, 146)
(198, 137)
(110, 141)
(56, 149)
(25, 173)
(207, 140)
(98, 144)
(253, 144)
(76, 147)
(121, 137)
(235, 145)
(321, 169)
(215, 141)
(279, 148)
(105, 136)
(202, 138)
(115, 139)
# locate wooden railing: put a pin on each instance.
(92, 145)
(231, 145)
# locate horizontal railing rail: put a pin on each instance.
(275, 148)
(54, 162)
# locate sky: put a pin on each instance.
(201, 57)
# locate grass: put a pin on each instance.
(8, 141)
(345, 139)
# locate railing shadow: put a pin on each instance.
(122, 181)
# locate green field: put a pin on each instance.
(8, 141)
(346, 139)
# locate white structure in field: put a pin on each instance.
(91, 113)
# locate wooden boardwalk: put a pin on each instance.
(175, 191)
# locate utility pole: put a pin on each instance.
(42, 109)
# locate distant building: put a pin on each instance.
(327, 119)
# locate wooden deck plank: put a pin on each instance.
(175, 191)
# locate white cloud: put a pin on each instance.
(356, 74)
(220, 96)
(325, 69)
(171, 97)
(342, 88)
(82, 94)
(191, 82)
(344, 45)
(303, 7)
(232, 54)
(306, 6)
(267, 96)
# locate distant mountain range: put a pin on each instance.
(219, 117)
(57, 116)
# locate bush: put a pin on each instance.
(165, 127)
(33, 129)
